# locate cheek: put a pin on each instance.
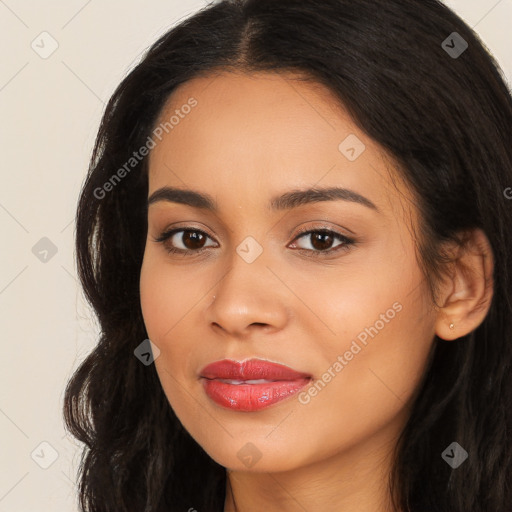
(166, 295)
(170, 296)
(373, 381)
(382, 330)
(384, 344)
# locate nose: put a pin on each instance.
(248, 299)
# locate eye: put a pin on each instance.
(316, 242)
(184, 240)
(320, 242)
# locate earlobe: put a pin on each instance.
(467, 292)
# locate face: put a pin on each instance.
(326, 284)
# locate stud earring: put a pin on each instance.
(452, 326)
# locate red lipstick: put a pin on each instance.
(250, 385)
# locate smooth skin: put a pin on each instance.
(303, 300)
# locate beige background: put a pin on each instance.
(50, 111)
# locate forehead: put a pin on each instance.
(239, 114)
(261, 133)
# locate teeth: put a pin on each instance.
(237, 382)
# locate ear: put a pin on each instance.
(466, 293)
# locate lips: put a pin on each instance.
(250, 385)
(250, 370)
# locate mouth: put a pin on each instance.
(252, 381)
(250, 385)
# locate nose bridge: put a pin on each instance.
(244, 296)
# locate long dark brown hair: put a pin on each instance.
(447, 121)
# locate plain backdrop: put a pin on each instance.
(50, 111)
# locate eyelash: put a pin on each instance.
(303, 232)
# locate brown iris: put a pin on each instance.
(193, 239)
(321, 241)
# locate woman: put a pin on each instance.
(303, 205)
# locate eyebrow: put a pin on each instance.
(286, 201)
